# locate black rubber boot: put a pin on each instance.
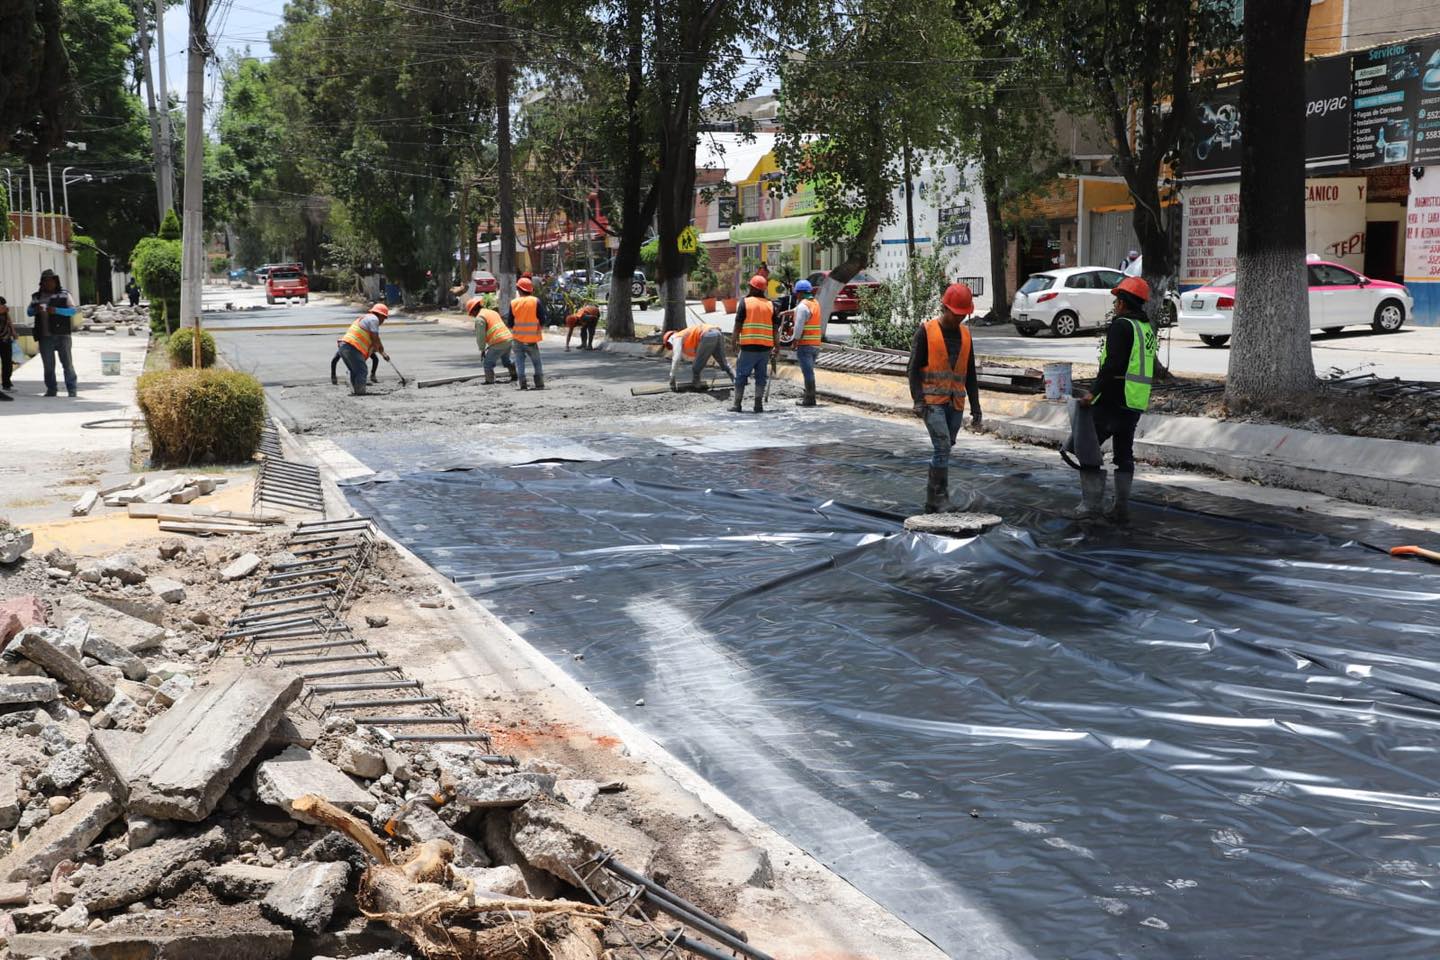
(489, 376)
(1120, 513)
(808, 400)
(539, 381)
(759, 400)
(739, 399)
(937, 490)
(1092, 496)
(524, 384)
(513, 374)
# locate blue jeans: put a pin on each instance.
(355, 363)
(752, 361)
(806, 357)
(50, 348)
(531, 350)
(943, 423)
(499, 353)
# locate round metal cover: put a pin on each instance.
(952, 524)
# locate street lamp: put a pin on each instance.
(65, 181)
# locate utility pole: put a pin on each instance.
(192, 259)
(909, 217)
(506, 273)
(165, 157)
(161, 163)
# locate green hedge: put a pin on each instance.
(199, 416)
(182, 349)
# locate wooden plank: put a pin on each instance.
(184, 513)
(85, 504)
(185, 494)
(201, 527)
(420, 384)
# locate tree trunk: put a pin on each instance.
(506, 274)
(635, 199)
(858, 259)
(1270, 358)
(999, 245)
(677, 202)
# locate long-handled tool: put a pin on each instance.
(403, 381)
(1413, 551)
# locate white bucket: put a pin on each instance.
(110, 363)
(1057, 381)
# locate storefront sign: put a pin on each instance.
(1422, 249)
(1335, 220)
(1211, 225)
(1395, 96)
(955, 225)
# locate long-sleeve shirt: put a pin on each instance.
(920, 356)
(1109, 387)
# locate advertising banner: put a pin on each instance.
(1422, 249)
(1395, 100)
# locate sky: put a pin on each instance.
(234, 26)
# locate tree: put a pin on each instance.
(1138, 63)
(35, 76)
(858, 96)
(156, 263)
(1270, 356)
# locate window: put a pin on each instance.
(750, 203)
(1037, 283)
(1108, 279)
(1081, 281)
(1329, 275)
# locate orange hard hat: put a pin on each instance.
(759, 281)
(380, 310)
(473, 305)
(958, 299)
(1135, 286)
(525, 285)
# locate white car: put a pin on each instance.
(1066, 301)
(1339, 298)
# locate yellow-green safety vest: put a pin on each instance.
(1140, 374)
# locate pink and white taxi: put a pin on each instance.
(1339, 298)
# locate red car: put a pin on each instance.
(847, 301)
(287, 282)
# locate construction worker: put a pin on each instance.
(696, 344)
(755, 333)
(807, 338)
(1120, 397)
(526, 319)
(361, 342)
(586, 319)
(942, 377)
(335, 362)
(492, 337)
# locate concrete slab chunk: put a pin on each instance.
(19, 690)
(559, 839)
(140, 873)
(307, 897)
(13, 894)
(116, 655)
(421, 823)
(243, 881)
(144, 942)
(240, 568)
(171, 591)
(296, 772)
(53, 658)
(132, 633)
(488, 793)
(10, 806)
(64, 837)
(190, 754)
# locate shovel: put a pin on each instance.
(403, 381)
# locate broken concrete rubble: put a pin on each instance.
(116, 655)
(10, 806)
(507, 881)
(420, 824)
(243, 881)
(61, 838)
(486, 793)
(559, 840)
(190, 754)
(361, 759)
(40, 645)
(140, 873)
(21, 690)
(297, 772)
(240, 568)
(308, 896)
(215, 939)
(171, 591)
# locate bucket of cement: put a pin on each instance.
(1057, 381)
(110, 363)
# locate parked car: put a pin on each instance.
(262, 273)
(1066, 301)
(287, 283)
(482, 281)
(602, 274)
(847, 301)
(1339, 298)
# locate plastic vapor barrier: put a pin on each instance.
(1213, 736)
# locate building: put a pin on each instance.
(950, 217)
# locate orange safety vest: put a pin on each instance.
(691, 341)
(360, 338)
(810, 336)
(526, 313)
(942, 384)
(495, 329)
(758, 330)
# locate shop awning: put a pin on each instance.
(772, 231)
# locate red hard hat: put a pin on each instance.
(380, 310)
(1136, 287)
(958, 299)
(525, 285)
(473, 305)
(759, 282)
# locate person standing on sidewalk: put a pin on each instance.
(526, 319)
(7, 350)
(362, 341)
(52, 307)
(1120, 397)
(942, 377)
(494, 339)
(807, 338)
(696, 344)
(755, 333)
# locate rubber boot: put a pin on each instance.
(808, 400)
(937, 491)
(539, 381)
(334, 380)
(524, 384)
(1120, 513)
(489, 377)
(759, 400)
(1092, 495)
(514, 374)
(739, 399)
(358, 391)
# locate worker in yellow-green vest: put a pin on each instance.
(1120, 397)
(360, 343)
(492, 337)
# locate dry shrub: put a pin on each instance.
(198, 416)
(181, 347)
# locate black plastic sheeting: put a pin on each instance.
(1208, 737)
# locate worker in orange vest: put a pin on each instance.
(361, 342)
(587, 319)
(807, 338)
(755, 333)
(696, 344)
(942, 376)
(526, 319)
(493, 337)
